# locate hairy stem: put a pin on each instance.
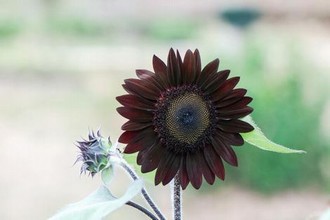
(176, 198)
(144, 192)
(142, 209)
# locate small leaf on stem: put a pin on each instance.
(98, 204)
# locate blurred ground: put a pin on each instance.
(62, 65)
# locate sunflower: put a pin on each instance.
(183, 120)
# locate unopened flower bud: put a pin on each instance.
(94, 153)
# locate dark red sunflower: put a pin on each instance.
(184, 119)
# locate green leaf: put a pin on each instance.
(258, 139)
(107, 175)
(98, 204)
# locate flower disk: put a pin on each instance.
(187, 117)
(183, 120)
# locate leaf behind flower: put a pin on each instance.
(258, 139)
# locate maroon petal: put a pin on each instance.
(230, 138)
(234, 113)
(128, 136)
(135, 114)
(130, 149)
(144, 139)
(224, 151)
(193, 170)
(212, 77)
(215, 162)
(149, 83)
(210, 68)
(167, 159)
(184, 179)
(152, 157)
(159, 66)
(144, 74)
(189, 68)
(235, 93)
(172, 169)
(141, 155)
(212, 84)
(207, 173)
(135, 126)
(136, 87)
(226, 102)
(150, 79)
(243, 102)
(198, 62)
(234, 126)
(180, 63)
(225, 89)
(136, 146)
(137, 102)
(173, 68)
(161, 71)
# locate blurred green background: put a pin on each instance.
(62, 64)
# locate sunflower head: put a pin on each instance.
(183, 120)
(94, 153)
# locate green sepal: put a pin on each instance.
(107, 175)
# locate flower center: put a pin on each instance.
(187, 117)
(184, 119)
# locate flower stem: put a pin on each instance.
(176, 198)
(142, 209)
(144, 192)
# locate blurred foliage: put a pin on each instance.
(171, 29)
(282, 113)
(78, 27)
(10, 28)
(240, 17)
